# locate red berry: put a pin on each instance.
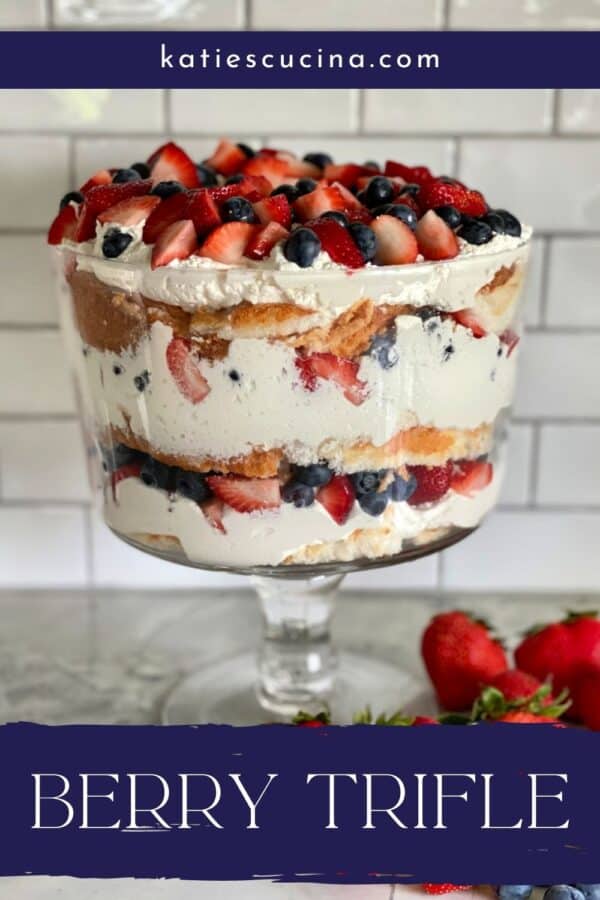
(103, 176)
(337, 242)
(468, 319)
(443, 193)
(346, 174)
(322, 199)
(213, 511)
(131, 211)
(337, 497)
(433, 482)
(274, 209)
(516, 685)
(269, 167)
(343, 372)
(445, 888)
(470, 476)
(246, 495)
(64, 225)
(227, 243)
(435, 238)
(227, 158)
(169, 210)
(510, 339)
(396, 243)
(171, 163)
(411, 174)
(586, 694)
(183, 366)
(177, 241)
(102, 197)
(204, 212)
(264, 239)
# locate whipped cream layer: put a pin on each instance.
(444, 378)
(326, 286)
(268, 538)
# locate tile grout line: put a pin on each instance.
(88, 536)
(547, 254)
(534, 465)
(555, 112)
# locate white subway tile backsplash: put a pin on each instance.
(437, 154)
(194, 14)
(517, 14)
(23, 14)
(579, 111)
(516, 486)
(349, 14)
(42, 461)
(35, 176)
(418, 575)
(33, 374)
(41, 546)
(527, 550)
(282, 111)
(516, 174)
(26, 291)
(532, 292)
(573, 282)
(569, 471)
(458, 111)
(559, 376)
(78, 110)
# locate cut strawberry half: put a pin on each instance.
(322, 199)
(437, 889)
(510, 339)
(64, 225)
(227, 243)
(411, 174)
(183, 366)
(102, 197)
(435, 238)
(396, 243)
(337, 242)
(470, 476)
(264, 239)
(269, 167)
(350, 201)
(468, 319)
(246, 495)
(433, 482)
(346, 174)
(204, 212)
(213, 511)
(274, 209)
(130, 470)
(253, 187)
(341, 371)
(171, 163)
(102, 176)
(299, 168)
(177, 241)
(170, 210)
(131, 211)
(337, 497)
(443, 193)
(227, 158)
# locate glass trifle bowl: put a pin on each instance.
(290, 421)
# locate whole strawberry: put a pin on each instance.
(460, 656)
(562, 650)
(586, 695)
(516, 686)
(522, 717)
(437, 889)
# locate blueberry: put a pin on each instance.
(191, 485)
(302, 247)
(142, 381)
(234, 375)
(374, 504)
(475, 231)
(142, 169)
(402, 489)
(165, 189)
(379, 190)
(337, 216)
(305, 186)
(123, 175)
(563, 892)
(400, 211)
(288, 190)
(206, 175)
(318, 159)
(118, 455)
(383, 348)
(514, 891)
(117, 370)
(449, 214)
(246, 150)
(298, 493)
(409, 190)
(115, 242)
(237, 209)
(367, 482)
(155, 474)
(71, 197)
(503, 222)
(589, 891)
(234, 179)
(314, 475)
(365, 240)
(426, 312)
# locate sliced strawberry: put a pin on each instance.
(170, 210)
(470, 476)
(255, 186)
(131, 211)
(433, 482)
(337, 497)
(350, 200)
(322, 199)
(274, 209)
(338, 369)
(337, 242)
(183, 366)
(228, 242)
(412, 174)
(468, 318)
(130, 470)
(396, 243)
(203, 211)
(264, 239)
(64, 225)
(102, 176)
(246, 495)
(213, 511)
(407, 200)
(102, 197)
(362, 214)
(299, 168)
(510, 338)
(443, 193)
(177, 241)
(269, 167)
(445, 888)
(435, 238)
(347, 174)
(171, 163)
(227, 158)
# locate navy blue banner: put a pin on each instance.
(299, 59)
(483, 804)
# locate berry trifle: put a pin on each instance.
(286, 362)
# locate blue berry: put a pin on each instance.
(318, 159)
(165, 189)
(115, 242)
(367, 482)
(288, 190)
(365, 240)
(142, 169)
(379, 190)
(503, 222)
(449, 214)
(155, 474)
(400, 211)
(118, 455)
(206, 175)
(589, 891)
(563, 892)
(305, 186)
(246, 150)
(298, 493)
(402, 488)
(383, 348)
(142, 381)
(314, 475)
(426, 312)
(237, 209)
(302, 247)
(375, 503)
(475, 231)
(337, 216)
(191, 485)
(71, 197)
(514, 891)
(234, 375)
(234, 179)
(409, 190)
(123, 175)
